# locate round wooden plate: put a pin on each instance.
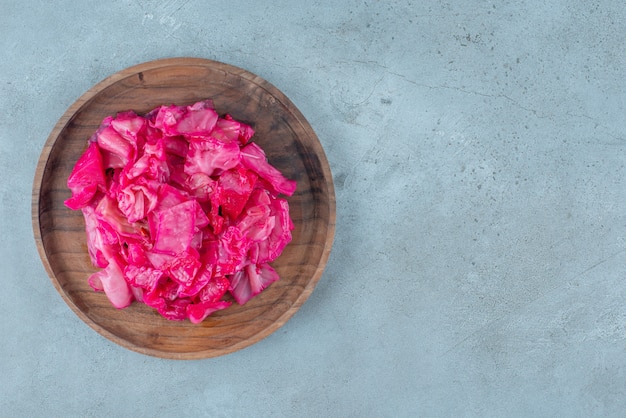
(290, 144)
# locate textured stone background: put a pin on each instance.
(478, 151)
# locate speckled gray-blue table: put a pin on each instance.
(478, 151)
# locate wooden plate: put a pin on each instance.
(291, 145)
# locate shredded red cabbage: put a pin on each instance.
(181, 210)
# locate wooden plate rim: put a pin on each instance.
(89, 95)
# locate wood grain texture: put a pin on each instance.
(290, 144)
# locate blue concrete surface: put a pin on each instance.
(478, 151)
